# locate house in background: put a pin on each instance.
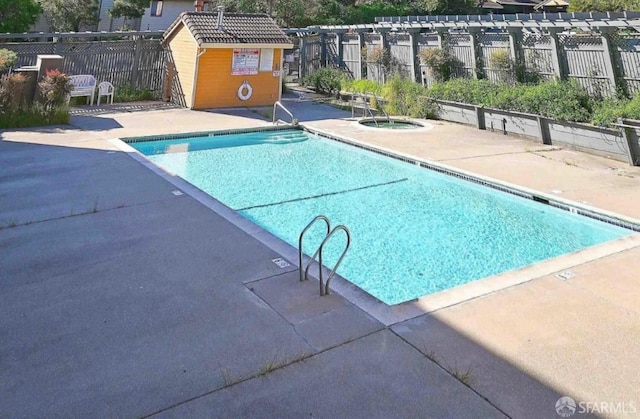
(158, 17)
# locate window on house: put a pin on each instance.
(156, 8)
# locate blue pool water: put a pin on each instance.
(414, 231)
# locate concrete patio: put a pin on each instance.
(121, 298)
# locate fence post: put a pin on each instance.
(339, 49)
(57, 45)
(363, 71)
(386, 46)
(323, 50)
(515, 47)
(476, 52)
(137, 57)
(415, 62)
(481, 122)
(610, 61)
(630, 134)
(556, 54)
(441, 32)
(543, 129)
(302, 70)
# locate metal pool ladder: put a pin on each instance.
(304, 271)
(275, 121)
(363, 100)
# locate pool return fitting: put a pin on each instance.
(304, 271)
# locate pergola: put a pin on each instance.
(545, 21)
(596, 31)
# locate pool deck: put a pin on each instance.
(119, 297)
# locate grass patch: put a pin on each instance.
(462, 375)
(270, 365)
(229, 378)
(122, 95)
(34, 116)
(130, 94)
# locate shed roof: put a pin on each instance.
(237, 28)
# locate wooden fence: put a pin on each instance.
(131, 60)
(602, 62)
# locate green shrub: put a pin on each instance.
(131, 94)
(378, 54)
(12, 91)
(34, 116)
(561, 100)
(475, 92)
(7, 59)
(55, 88)
(441, 63)
(361, 86)
(500, 60)
(408, 98)
(325, 80)
(610, 110)
(13, 114)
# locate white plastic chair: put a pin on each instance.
(106, 89)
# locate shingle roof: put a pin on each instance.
(237, 28)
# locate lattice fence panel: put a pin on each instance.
(331, 45)
(138, 64)
(28, 51)
(313, 50)
(401, 54)
(490, 43)
(151, 59)
(427, 41)
(106, 60)
(351, 55)
(375, 47)
(461, 47)
(627, 47)
(584, 60)
(537, 53)
(172, 88)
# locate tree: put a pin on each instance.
(242, 6)
(291, 13)
(129, 9)
(70, 15)
(447, 7)
(18, 15)
(604, 5)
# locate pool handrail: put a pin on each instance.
(363, 99)
(275, 121)
(304, 270)
(335, 267)
(304, 230)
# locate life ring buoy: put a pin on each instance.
(245, 86)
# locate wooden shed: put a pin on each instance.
(225, 60)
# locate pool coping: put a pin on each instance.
(419, 125)
(386, 314)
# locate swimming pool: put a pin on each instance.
(415, 231)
